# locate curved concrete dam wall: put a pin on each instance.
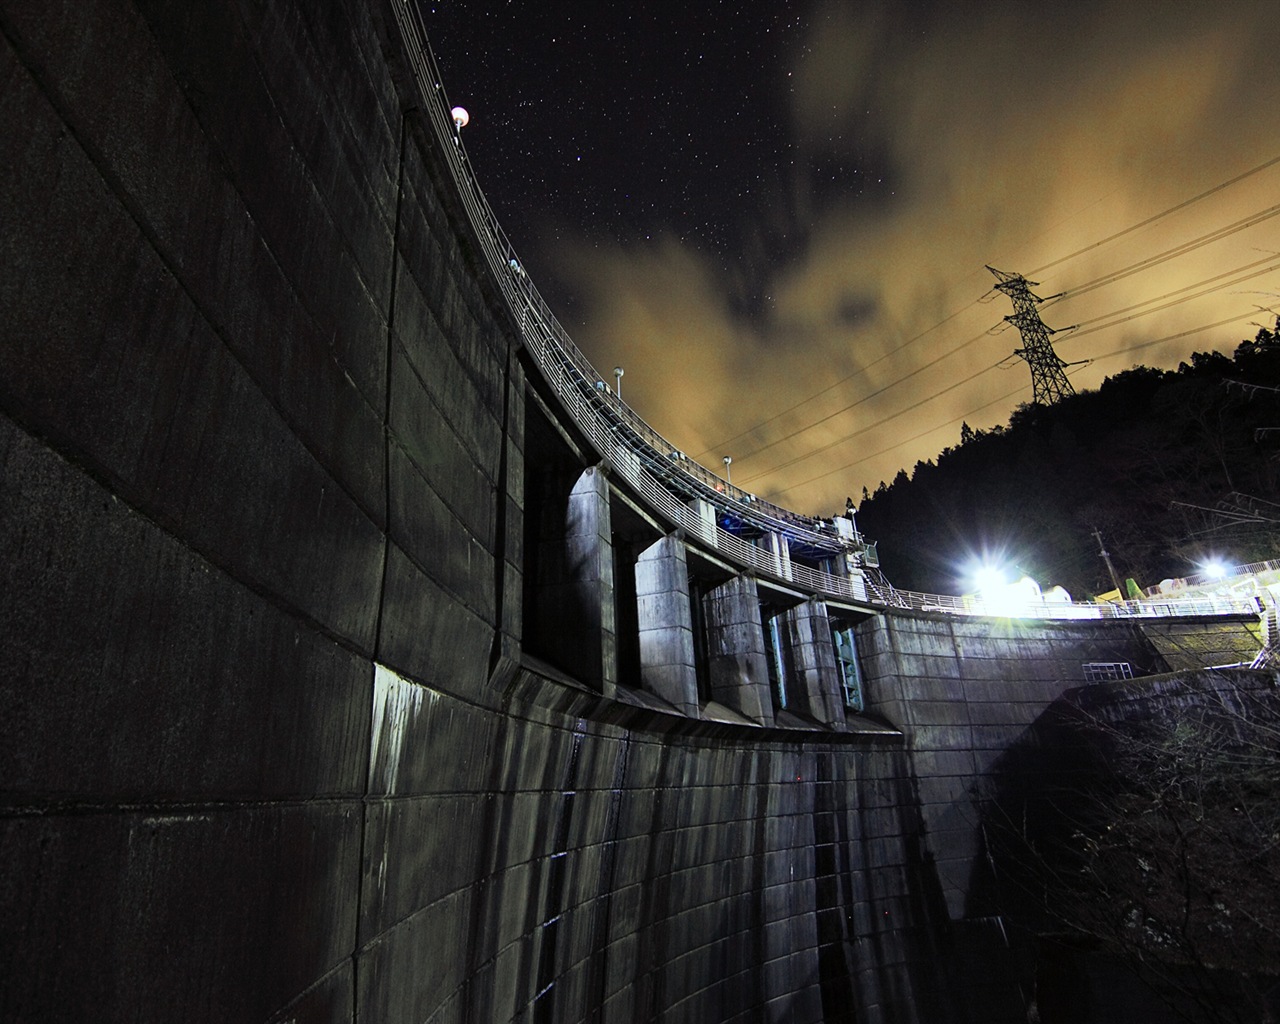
(292, 730)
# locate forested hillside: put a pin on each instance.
(1170, 466)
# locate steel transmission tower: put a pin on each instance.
(1048, 382)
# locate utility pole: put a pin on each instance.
(1048, 382)
(1106, 557)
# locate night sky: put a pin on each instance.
(776, 216)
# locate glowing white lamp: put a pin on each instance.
(988, 579)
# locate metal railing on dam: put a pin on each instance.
(660, 473)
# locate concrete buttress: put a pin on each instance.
(667, 659)
(589, 560)
(735, 642)
(818, 693)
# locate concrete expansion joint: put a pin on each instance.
(171, 261)
(170, 528)
(177, 810)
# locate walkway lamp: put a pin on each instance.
(1215, 569)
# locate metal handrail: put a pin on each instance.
(657, 470)
(1202, 579)
(556, 353)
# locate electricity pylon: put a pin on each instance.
(1048, 382)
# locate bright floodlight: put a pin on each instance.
(460, 117)
(988, 578)
(1215, 569)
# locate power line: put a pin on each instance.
(1160, 216)
(894, 416)
(1174, 337)
(1090, 330)
(1098, 282)
(1088, 286)
(898, 444)
(1176, 291)
(866, 398)
(1175, 302)
(719, 446)
(965, 415)
(1169, 254)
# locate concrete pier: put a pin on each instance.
(735, 638)
(667, 656)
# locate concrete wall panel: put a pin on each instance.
(129, 915)
(428, 635)
(122, 674)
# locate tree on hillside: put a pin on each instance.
(1151, 833)
(1146, 458)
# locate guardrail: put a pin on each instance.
(660, 473)
(1148, 608)
(1224, 576)
(567, 370)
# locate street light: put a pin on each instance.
(617, 380)
(987, 578)
(1215, 569)
(728, 476)
(460, 117)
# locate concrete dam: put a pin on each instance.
(364, 659)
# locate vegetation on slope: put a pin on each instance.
(1141, 822)
(1170, 467)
